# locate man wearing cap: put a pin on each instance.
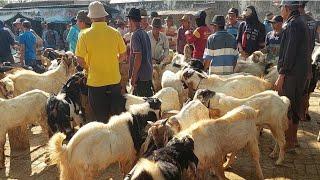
(181, 40)
(221, 49)
(141, 68)
(171, 32)
(273, 40)
(6, 40)
(154, 14)
(267, 23)
(233, 24)
(51, 38)
(18, 27)
(27, 41)
(294, 59)
(100, 48)
(199, 37)
(159, 42)
(251, 34)
(72, 37)
(144, 20)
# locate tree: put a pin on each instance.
(2, 3)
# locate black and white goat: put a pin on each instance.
(97, 145)
(169, 162)
(65, 110)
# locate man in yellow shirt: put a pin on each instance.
(100, 48)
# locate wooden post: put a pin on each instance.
(19, 138)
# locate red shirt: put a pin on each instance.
(199, 39)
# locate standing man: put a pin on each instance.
(72, 37)
(144, 20)
(273, 40)
(140, 57)
(312, 24)
(159, 42)
(233, 24)
(185, 26)
(251, 34)
(102, 60)
(221, 50)
(171, 32)
(51, 38)
(27, 41)
(267, 23)
(65, 34)
(294, 60)
(199, 36)
(6, 40)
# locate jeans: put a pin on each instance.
(105, 101)
(143, 89)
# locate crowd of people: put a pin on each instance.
(142, 40)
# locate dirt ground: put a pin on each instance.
(305, 164)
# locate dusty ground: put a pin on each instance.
(304, 165)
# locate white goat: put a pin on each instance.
(170, 79)
(273, 112)
(26, 108)
(50, 81)
(97, 145)
(214, 139)
(240, 86)
(255, 64)
(168, 96)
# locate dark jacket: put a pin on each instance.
(251, 33)
(295, 56)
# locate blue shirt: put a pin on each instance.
(273, 46)
(72, 38)
(267, 26)
(221, 51)
(28, 39)
(140, 43)
(233, 29)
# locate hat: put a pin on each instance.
(143, 13)
(201, 15)
(26, 24)
(233, 11)
(169, 18)
(218, 20)
(82, 15)
(276, 19)
(96, 10)
(185, 18)
(19, 20)
(156, 22)
(154, 14)
(290, 3)
(134, 14)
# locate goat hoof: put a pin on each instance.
(272, 155)
(279, 162)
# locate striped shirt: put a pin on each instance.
(221, 51)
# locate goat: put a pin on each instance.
(24, 109)
(273, 112)
(240, 86)
(215, 138)
(168, 162)
(97, 145)
(50, 81)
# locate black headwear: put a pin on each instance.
(200, 18)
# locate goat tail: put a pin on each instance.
(286, 101)
(57, 151)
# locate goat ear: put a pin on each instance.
(150, 123)
(193, 169)
(173, 122)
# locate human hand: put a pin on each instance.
(279, 83)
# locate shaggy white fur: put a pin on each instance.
(26, 108)
(168, 96)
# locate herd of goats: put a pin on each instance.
(194, 125)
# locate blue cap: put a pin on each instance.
(290, 3)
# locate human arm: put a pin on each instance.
(137, 54)
(262, 37)
(122, 48)
(165, 48)
(81, 52)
